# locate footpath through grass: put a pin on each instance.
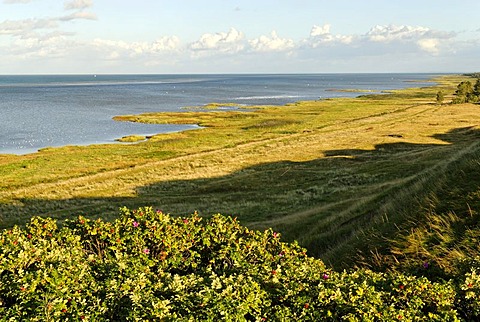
(344, 177)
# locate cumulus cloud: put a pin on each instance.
(166, 44)
(379, 40)
(425, 39)
(120, 49)
(42, 46)
(391, 33)
(78, 4)
(272, 43)
(223, 42)
(321, 35)
(405, 33)
(43, 37)
(320, 30)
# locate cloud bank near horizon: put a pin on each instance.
(26, 42)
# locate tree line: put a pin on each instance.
(466, 92)
(475, 75)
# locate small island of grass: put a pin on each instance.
(132, 138)
(216, 106)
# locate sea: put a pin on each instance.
(38, 111)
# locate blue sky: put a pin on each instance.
(233, 36)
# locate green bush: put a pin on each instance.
(467, 93)
(149, 266)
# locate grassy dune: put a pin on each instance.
(353, 180)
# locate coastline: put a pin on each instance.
(259, 94)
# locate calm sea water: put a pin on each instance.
(43, 111)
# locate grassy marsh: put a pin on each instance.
(341, 176)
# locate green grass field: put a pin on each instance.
(366, 181)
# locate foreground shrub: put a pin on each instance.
(148, 266)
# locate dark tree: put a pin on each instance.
(476, 88)
(463, 92)
(440, 97)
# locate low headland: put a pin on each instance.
(384, 186)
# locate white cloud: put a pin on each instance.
(79, 15)
(166, 44)
(20, 27)
(429, 45)
(120, 49)
(320, 30)
(30, 27)
(42, 37)
(78, 4)
(393, 32)
(379, 40)
(50, 45)
(321, 35)
(394, 48)
(274, 43)
(425, 39)
(223, 42)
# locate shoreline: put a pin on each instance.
(115, 141)
(212, 106)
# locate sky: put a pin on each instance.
(235, 36)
